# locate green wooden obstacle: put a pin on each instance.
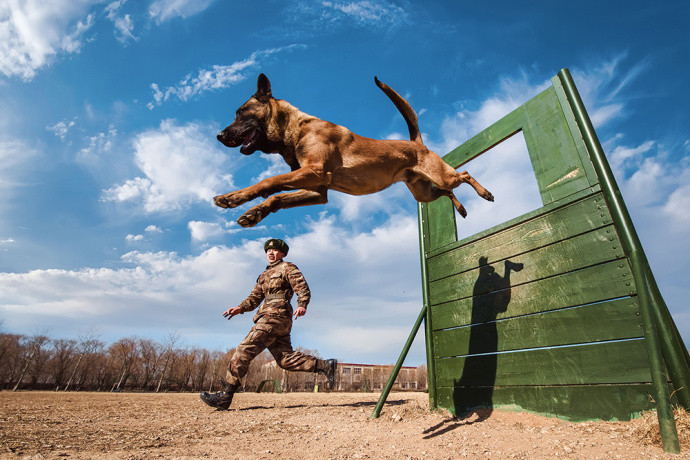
(557, 311)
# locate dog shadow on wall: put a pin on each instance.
(491, 296)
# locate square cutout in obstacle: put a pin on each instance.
(506, 171)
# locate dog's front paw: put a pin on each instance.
(229, 200)
(487, 195)
(252, 217)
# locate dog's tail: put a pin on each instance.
(405, 109)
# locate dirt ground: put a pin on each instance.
(297, 426)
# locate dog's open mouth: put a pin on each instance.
(249, 142)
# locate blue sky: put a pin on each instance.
(108, 156)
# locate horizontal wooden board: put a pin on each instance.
(613, 320)
(600, 363)
(563, 223)
(610, 280)
(571, 402)
(581, 251)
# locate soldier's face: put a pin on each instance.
(273, 254)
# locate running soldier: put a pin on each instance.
(272, 325)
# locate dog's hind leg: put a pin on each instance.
(282, 201)
(425, 192)
(445, 177)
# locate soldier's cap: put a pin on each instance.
(275, 243)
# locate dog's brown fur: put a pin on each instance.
(325, 156)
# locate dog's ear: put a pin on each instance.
(263, 88)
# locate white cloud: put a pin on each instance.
(217, 77)
(123, 24)
(62, 128)
(165, 10)
(379, 14)
(181, 165)
(7, 241)
(134, 238)
(98, 145)
(205, 231)
(32, 32)
(153, 229)
(600, 87)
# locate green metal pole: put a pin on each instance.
(667, 425)
(398, 365)
(632, 248)
(664, 316)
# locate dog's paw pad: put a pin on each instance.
(251, 218)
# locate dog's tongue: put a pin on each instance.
(248, 144)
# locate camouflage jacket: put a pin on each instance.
(275, 288)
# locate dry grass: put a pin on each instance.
(646, 429)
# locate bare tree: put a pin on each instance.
(12, 355)
(124, 354)
(89, 344)
(63, 355)
(169, 345)
(33, 349)
(150, 361)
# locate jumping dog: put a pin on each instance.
(324, 156)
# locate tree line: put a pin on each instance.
(39, 362)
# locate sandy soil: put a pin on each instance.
(295, 425)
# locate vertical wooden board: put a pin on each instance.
(607, 281)
(575, 132)
(599, 363)
(613, 320)
(581, 251)
(441, 223)
(559, 224)
(576, 403)
(555, 159)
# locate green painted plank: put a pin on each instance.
(555, 159)
(601, 363)
(575, 403)
(613, 320)
(594, 284)
(575, 132)
(441, 223)
(581, 251)
(560, 224)
(516, 221)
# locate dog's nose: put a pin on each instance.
(220, 137)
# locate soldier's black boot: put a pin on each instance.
(328, 368)
(220, 400)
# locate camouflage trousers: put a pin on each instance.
(274, 334)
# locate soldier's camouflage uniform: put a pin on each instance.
(273, 322)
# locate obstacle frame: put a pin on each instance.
(642, 347)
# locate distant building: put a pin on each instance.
(350, 377)
(373, 377)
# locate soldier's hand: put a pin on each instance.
(232, 312)
(301, 311)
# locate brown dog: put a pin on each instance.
(325, 156)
